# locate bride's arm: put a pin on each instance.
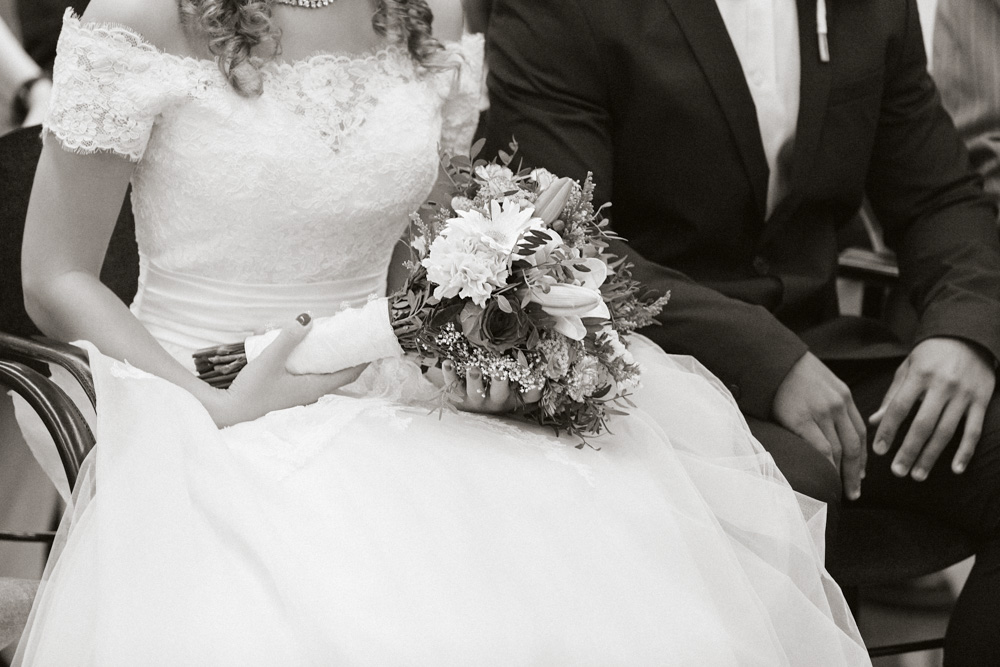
(74, 204)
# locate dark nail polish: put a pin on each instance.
(303, 319)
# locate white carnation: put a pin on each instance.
(461, 266)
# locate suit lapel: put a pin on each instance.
(814, 90)
(708, 39)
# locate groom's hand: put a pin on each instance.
(817, 406)
(952, 380)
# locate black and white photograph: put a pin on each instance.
(505, 333)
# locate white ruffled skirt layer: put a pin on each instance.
(362, 530)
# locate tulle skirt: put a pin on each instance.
(367, 529)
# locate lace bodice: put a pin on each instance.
(312, 181)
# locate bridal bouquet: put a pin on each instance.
(510, 276)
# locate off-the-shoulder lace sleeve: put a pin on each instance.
(465, 97)
(109, 85)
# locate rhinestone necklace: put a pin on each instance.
(311, 4)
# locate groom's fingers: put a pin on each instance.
(829, 430)
(814, 435)
(853, 449)
(811, 433)
(862, 431)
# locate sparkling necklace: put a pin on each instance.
(311, 4)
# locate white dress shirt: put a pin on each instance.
(766, 36)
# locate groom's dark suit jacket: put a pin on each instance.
(650, 96)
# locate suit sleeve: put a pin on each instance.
(967, 71)
(548, 90)
(931, 203)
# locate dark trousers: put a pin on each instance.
(970, 501)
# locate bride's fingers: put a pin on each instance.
(451, 381)
(296, 390)
(473, 396)
(499, 396)
(330, 382)
(273, 358)
(475, 388)
(531, 396)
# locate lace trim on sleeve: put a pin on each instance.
(465, 96)
(109, 85)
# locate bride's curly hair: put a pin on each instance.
(235, 29)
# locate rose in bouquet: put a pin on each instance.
(511, 275)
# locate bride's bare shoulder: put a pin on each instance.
(158, 21)
(449, 19)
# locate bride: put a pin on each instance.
(329, 519)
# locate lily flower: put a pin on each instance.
(568, 305)
(551, 202)
(590, 272)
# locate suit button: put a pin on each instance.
(734, 389)
(761, 266)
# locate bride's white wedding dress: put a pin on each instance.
(362, 530)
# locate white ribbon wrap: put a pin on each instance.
(351, 337)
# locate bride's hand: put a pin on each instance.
(264, 385)
(474, 396)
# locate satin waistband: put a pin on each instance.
(190, 312)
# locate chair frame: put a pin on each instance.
(60, 415)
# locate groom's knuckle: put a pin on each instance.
(893, 416)
(923, 425)
(843, 392)
(950, 383)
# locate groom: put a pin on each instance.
(736, 138)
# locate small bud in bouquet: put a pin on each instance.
(511, 275)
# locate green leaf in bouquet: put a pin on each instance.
(539, 236)
(533, 338)
(461, 162)
(503, 304)
(477, 147)
(603, 391)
